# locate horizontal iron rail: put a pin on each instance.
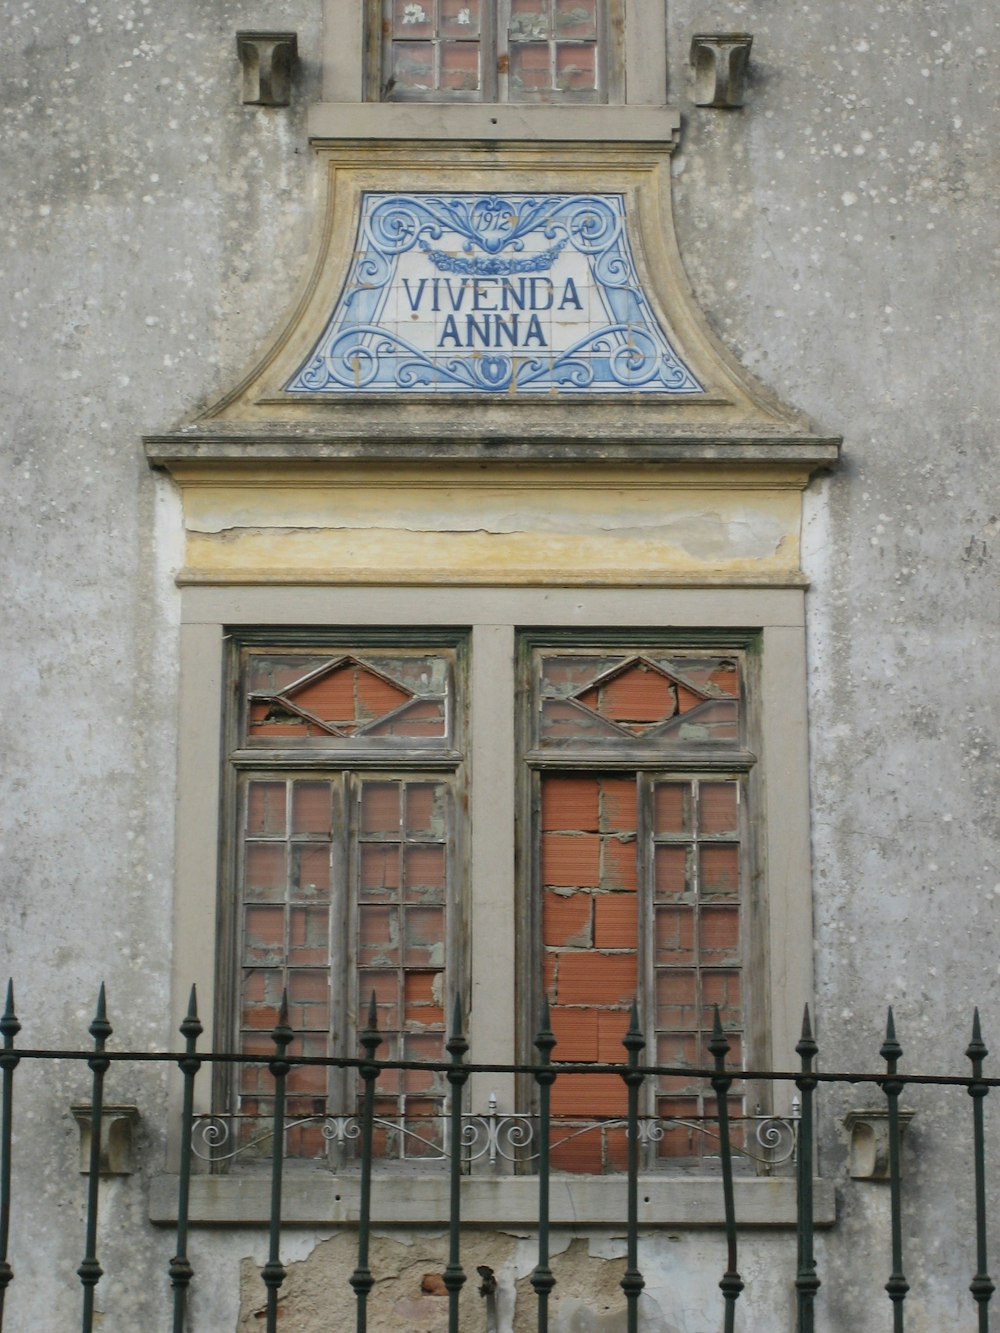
(494, 1067)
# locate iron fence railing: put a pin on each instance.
(460, 1142)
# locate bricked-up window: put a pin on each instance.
(499, 50)
(639, 782)
(346, 876)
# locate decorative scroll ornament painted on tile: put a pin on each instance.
(482, 293)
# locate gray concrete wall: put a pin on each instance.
(840, 233)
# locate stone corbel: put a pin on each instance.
(869, 1141)
(267, 59)
(117, 1125)
(720, 61)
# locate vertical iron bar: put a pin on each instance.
(806, 1281)
(9, 1028)
(361, 1279)
(731, 1284)
(632, 1281)
(454, 1277)
(542, 1279)
(180, 1269)
(90, 1271)
(273, 1271)
(981, 1286)
(897, 1286)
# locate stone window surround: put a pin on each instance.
(492, 616)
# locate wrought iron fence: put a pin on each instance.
(788, 1139)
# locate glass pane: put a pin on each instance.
(312, 811)
(459, 66)
(576, 18)
(529, 67)
(309, 1003)
(265, 876)
(379, 870)
(460, 18)
(385, 985)
(717, 809)
(426, 873)
(529, 20)
(378, 936)
(413, 19)
(380, 808)
(673, 867)
(413, 66)
(720, 934)
(674, 934)
(310, 877)
(424, 938)
(263, 935)
(672, 808)
(309, 936)
(676, 999)
(576, 67)
(266, 808)
(719, 872)
(426, 810)
(423, 992)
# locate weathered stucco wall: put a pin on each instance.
(840, 234)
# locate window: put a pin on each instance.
(346, 770)
(346, 776)
(637, 794)
(499, 50)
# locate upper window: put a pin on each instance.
(499, 50)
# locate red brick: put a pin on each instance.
(686, 700)
(611, 1028)
(616, 922)
(722, 989)
(329, 697)
(620, 868)
(264, 935)
(570, 804)
(637, 695)
(619, 805)
(597, 978)
(310, 870)
(377, 696)
(567, 920)
(575, 1032)
(726, 677)
(579, 1154)
(308, 936)
(571, 860)
(421, 807)
(588, 1095)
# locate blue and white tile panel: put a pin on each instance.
(477, 293)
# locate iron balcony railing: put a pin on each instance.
(465, 1132)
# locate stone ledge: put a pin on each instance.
(493, 121)
(321, 1200)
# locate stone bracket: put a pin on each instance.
(719, 61)
(267, 59)
(117, 1126)
(869, 1147)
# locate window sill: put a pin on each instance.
(320, 1200)
(493, 121)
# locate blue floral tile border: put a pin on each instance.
(483, 294)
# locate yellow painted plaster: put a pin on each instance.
(486, 526)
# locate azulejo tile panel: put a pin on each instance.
(489, 294)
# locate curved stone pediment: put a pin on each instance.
(473, 296)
